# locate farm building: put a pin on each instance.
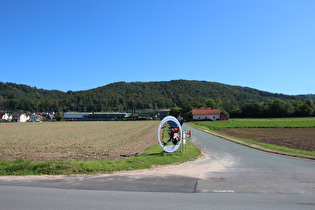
(107, 116)
(75, 116)
(206, 113)
(163, 113)
(95, 116)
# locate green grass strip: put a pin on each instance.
(154, 156)
(306, 122)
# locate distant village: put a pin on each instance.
(24, 117)
(203, 113)
(80, 116)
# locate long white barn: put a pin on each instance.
(95, 116)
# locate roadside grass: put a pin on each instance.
(154, 156)
(308, 122)
(285, 123)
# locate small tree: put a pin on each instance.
(175, 111)
(210, 103)
(196, 104)
(59, 116)
(187, 110)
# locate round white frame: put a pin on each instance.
(171, 148)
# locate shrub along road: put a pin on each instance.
(228, 176)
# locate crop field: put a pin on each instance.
(65, 148)
(293, 133)
(296, 138)
(67, 141)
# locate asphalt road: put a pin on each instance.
(232, 177)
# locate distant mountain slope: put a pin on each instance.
(129, 96)
(20, 91)
(179, 91)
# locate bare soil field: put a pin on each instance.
(296, 138)
(66, 141)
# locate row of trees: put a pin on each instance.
(253, 109)
(271, 108)
(132, 97)
(79, 104)
(275, 108)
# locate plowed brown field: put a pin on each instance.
(297, 138)
(64, 141)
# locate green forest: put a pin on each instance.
(180, 95)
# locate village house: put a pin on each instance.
(18, 117)
(48, 116)
(36, 117)
(4, 117)
(23, 117)
(206, 113)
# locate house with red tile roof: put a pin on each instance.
(206, 113)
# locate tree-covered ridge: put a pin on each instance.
(122, 96)
(20, 91)
(179, 91)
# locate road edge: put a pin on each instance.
(254, 146)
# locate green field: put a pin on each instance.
(259, 123)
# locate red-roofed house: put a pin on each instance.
(206, 113)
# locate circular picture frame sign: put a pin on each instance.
(170, 148)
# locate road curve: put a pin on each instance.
(253, 171)
(229, 176)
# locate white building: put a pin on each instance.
(206, 113)
(4, 117)
(19, 117)
(75, 116)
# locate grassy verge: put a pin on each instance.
(307, 122)
(153, 156)
(264, 123)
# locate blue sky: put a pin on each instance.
(83, 44)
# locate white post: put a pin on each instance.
(184, 140)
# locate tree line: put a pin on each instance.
(270, 109)
(132, 97)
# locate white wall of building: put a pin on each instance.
(206, 117)
(73, 115)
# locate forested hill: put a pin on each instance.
(20, 91)
(130, 96)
